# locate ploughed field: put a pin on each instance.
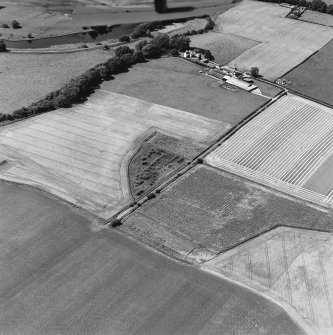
(285, 42)
(289, 146)
(176, 83)
(314, 77)
(81, 154)
(207, 211)
(293, 266)
(60, 275)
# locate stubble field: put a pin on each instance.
(291, 265)
(288, 147)
(81, 154)
(285, 42)
(62, 276)
(176, 83)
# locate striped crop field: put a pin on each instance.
(293, 266)
(289, 147)
(81, 153)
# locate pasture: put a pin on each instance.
(314, 77)
(44, 72)
(317, 17)
(207, 211)
(224, 47)
(285, 42)
(60, 275)
(81, 154)
(293, 266)
(289, 146)
(161, 79)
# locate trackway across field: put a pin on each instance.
(288, 146)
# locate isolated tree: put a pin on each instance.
(15, 24)
(3, 47)
(254, 71)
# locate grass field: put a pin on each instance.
(224, 47)
(61, 276)
(285, 42)
(288, 146)
(293, 266)
(159, 80)
(44, 73)
(314, 77)
(82, 153)
(317, 17)
(212, 210)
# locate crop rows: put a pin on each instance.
(283, 147)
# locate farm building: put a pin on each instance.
(240, 83)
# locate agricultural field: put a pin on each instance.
(224, 47)
(33, 20)
(163, 78)
(317, 17)
(69, 277)
(285, 42)
(314, 77)
(158, 157)
(181, 28)
(288, 147)
(81, 154)
(291, 265)
(208, 211)
(44, 72)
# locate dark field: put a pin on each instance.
(176, 83)
(60, 277)
(218, 211)
(314, 77)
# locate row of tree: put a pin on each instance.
(315, 5)
(79, 88)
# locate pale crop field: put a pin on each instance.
(289, 146)
(285, 42)
(293, 266)
(81, 154)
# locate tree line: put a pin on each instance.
(79, 88)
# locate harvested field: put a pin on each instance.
(314, 77)
(284, 147)
(291, 265)
(181, 28)
(45, 73)
(285, 42)
(69, 279)
(317, 17)
(161, 79)
(157, 158)
(81, 154)
(224, 47)
(215, 211)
